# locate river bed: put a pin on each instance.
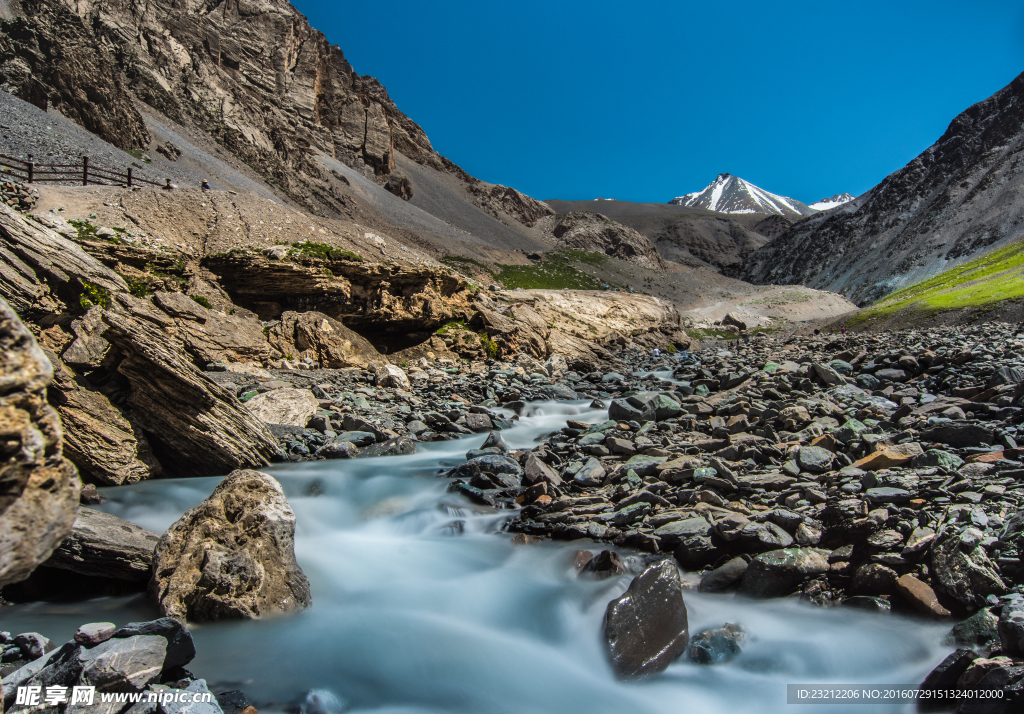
(422, 604)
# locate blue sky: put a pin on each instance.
(648, 101)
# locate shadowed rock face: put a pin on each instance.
(958, 198)
(50, 58)
(232, 556)
(38, 487)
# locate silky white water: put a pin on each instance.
(422, 604)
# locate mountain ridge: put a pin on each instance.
(961, 196)
(733, 195)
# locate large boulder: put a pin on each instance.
(294, 407)
(647, 627)
(232, 556)
(39, 488)
(958, 434)
(388, 375)
(195, 426)
(102, 545)
(323, 339)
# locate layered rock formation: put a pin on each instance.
(958, 198)
(38, 486)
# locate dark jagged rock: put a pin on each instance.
(105, 546)
(647, 627)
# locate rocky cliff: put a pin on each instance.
(254, 76)
(962, 195)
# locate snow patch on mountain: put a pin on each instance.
(731, 194)
(826, 203)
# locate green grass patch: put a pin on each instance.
(556, 272)
(454, 325)
(979, 283)
(94, 295)
(87, 231)
(323, 251)
(138, 154)
(202, 301)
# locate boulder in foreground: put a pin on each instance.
(647, 627)
(232, 556)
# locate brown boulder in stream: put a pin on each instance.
(232, 556)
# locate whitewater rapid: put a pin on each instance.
(422, 604)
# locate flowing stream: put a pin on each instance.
(421, 604)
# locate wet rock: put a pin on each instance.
(978, 630)
(778, 572)
(93, 633)
(647, 627)
(945, 676)
(964, 571)
(180, 648)
(723, 576)
(398, 446)
(716, 646)
(874, 579)
(592, 473)
(815, 459)
(606, 564)
(921, 596)
(1010, 625)
(231, 556)
(958, 434)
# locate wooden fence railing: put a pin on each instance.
(83, 173)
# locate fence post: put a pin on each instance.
(129, 175)
(30, 167)
(85, 170)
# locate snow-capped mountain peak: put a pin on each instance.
(826, 203)
(731, 194)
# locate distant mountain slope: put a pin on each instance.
(826, 203)
(962, 195)
(683, 235)
(731, 194)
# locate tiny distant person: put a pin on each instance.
(205, 185)
(656, 352)
(167, 186)
(843, 330)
